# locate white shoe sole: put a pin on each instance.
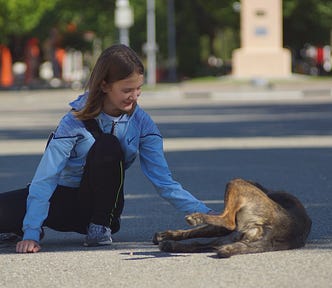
(101, 243)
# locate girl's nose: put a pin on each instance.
(135, 94)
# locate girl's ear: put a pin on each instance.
(105, 86)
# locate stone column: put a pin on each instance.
(261, 53)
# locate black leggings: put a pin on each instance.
(99, 199)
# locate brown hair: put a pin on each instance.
(115, 63)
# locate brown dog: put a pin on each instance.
(254, 220)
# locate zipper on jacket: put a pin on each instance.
(113, 127)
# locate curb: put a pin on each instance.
(177, 94)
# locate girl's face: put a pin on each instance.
(121, 96)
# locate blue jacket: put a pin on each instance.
(63, 161)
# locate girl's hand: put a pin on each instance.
(27, 246)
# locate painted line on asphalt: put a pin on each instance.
(36, 147)
(22, 147)
(193, 144)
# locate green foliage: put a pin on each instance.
(95, 16)
(199, 25)
(18, 17)
(307, 21)
(188, 38)
(203, 27)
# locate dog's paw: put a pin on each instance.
(224, 251)
(157, 238)
(166, 246)
(160, 236)
(195, 219)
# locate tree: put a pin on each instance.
(18, 17)
(198, 19)
(203, 27)
(72, 19)
(307, 21)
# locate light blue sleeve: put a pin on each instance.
(44, 183)
(155, 167)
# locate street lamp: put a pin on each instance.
(171, 42)
(124, 19)
(151, 46)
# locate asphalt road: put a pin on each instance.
(283, 143)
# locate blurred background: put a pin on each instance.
(55, 43)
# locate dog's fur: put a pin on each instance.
(254, 220)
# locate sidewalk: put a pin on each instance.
(230, 90)
(226, 87)
(306, 84)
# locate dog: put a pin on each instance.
(254, 220)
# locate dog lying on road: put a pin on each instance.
(254, 220)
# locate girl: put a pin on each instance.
(78, 185)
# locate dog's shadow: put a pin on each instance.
(134, 256)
